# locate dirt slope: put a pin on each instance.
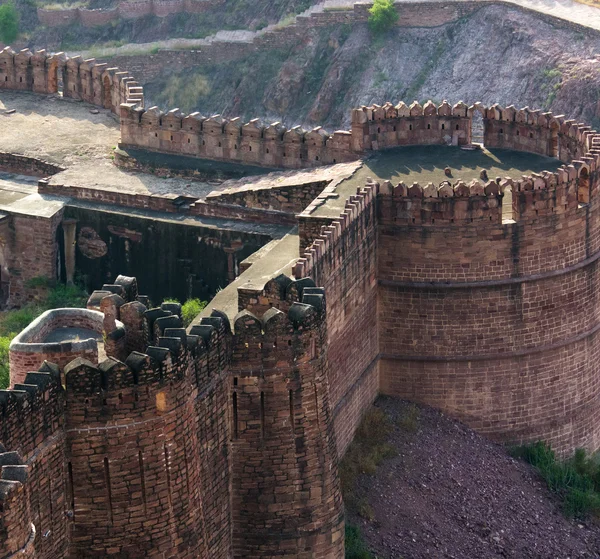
(498, 54)
(449, 493)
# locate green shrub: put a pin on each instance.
(576, 481)
(382, 16)
(355, 547)
(191, 309)
(9, 23)
(4, 368)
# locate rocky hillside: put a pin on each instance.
(449, 493)
(498, 54)
(233, 14)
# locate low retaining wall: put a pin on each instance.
(31, 166)
(124, 10)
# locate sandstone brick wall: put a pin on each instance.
(343, 260)
(32, 424)
(492, 322)
(135, 459)
(125, 10)
(284, 451)
(376, 127)
(290, 199)
(30, 250)
(172, 203)
(217, 138)
(87, 80)
(27, 165)
(29, 350)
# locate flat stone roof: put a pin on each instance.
(277, 257)
(18, 194)
(425, 164)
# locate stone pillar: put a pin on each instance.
(69, 232)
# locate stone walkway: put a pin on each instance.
(569, 10)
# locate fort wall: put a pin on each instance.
(124, 10)
(30, 166)
(343, 260)
(29, 247)
(135, 458)
(86, 80)
(230, 140)
(284, 449)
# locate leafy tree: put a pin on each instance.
(382, 16)
(9, 23)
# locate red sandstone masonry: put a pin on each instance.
(343, 259)
(491, 321)
(87, 80)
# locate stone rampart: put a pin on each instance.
(344, 261)
(508, 343)
(133, 457)
(223, 139)
(85, 80)
(30, 166)
(29, 349)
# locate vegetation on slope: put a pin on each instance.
(382, 16)
(368, 450)
(9, 23)
(576, 481)
(12, 322)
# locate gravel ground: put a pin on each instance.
(450, 493)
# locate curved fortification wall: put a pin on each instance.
(495, 321)
(30, 348)
(75, 78)
(204, 434)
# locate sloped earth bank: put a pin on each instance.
(450, 493)
(498, 54)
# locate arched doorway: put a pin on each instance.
(554, 148)
(107, 93)
(583, 186)
(477, 127)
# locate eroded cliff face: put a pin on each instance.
(498, 54)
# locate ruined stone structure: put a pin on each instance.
(87, 80)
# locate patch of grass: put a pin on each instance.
(576, 481)
(410, 419)
(355, 546)
(368, 449)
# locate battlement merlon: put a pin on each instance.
(16, 528)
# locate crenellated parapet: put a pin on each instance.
(284, 448)
(215, 137)
(17, 532)
(351, 228)
(87, 80)
(379, 127)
